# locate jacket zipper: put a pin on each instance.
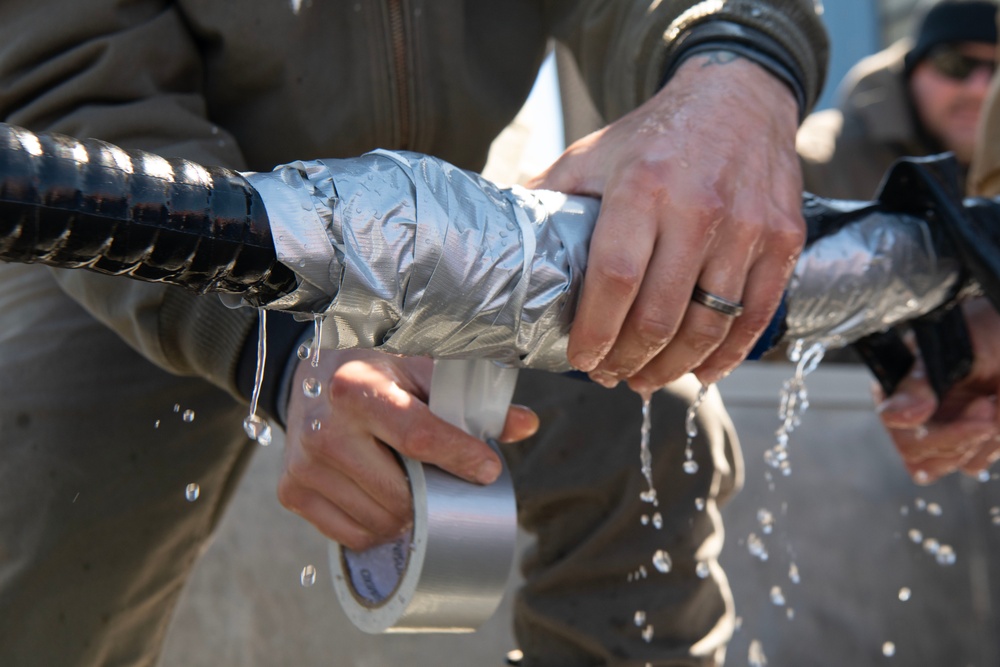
(397, 30)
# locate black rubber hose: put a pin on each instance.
(89, 204)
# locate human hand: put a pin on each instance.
(700, 186)
(961, 432)
(342, 476)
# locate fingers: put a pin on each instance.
(521, 423)
(341, 469)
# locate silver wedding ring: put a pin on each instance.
(717, 303)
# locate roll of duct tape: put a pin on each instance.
(448, 574)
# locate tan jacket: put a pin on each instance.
(984, 174)
(253, 84)
(846, 151)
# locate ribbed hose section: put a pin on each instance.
(89, 204)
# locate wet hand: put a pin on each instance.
(699, 186)
(961, 432)
(340, 472)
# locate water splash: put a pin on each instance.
(691, 429)
(756, 547)
(645, 457)
(255, 426)
(766, 520)
(794, 402)
(317, 339)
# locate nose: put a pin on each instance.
(980, 78)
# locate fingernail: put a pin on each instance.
(585, 361)
(606, 380)
(488, 472)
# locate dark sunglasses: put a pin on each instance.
(957, 66)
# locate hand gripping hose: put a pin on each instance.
(89, 204)
(406, 253)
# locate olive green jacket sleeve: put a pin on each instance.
(623, 49)
(128, 73)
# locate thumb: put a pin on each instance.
(912, 404)
(522, 422)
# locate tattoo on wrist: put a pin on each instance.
(719, 58)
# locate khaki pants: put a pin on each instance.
(97, 537)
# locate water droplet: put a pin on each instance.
(755, 656)
(303, 352)
(738, 624)
(766, 520)
(317, 425)
(308, 576)
(312, 387)
(921, 477)
(702, 569)
(888, 649)
(934, 509)
(996, 520)
(915, 536)
(642, 572)
(644, 519)
(904, 511)
(691, 467)
(699, 504)
(793, 573)
(790, 614)
(188, 416)
(647, 634)
(983, 476)
(639, 619)
(156, 424)
(257, 428)
(192, 491)
(777, 597)
(657, 521)
(661, 561)
(931, 545)
(756, 547)
(755, 12)
(945, 555)
(904, 594)
(177, 407)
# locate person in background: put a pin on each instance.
(696, 166)
(920, 96)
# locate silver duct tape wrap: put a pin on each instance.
(449, 573)
(869, 276)
(411, 255)
(408, 254)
